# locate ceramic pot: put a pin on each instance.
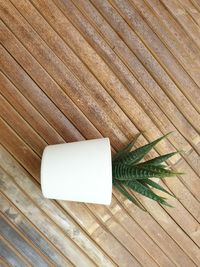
(78, 171)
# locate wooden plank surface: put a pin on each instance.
(75, 70)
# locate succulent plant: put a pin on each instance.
(129, 173)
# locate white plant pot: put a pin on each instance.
(78, 171)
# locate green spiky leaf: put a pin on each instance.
(129, 173)
(147, 192)
(124, 192)
(156, 185)
(126, 149)
(136, 155)
(121, 172)
(158, 160)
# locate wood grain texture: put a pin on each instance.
(75, 70)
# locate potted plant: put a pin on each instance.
(84, 171)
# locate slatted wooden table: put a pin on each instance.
(75, 70)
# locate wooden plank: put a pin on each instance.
(3, 262)
(40, 24)
(19, 148)
(64, 77)
(157, 48)
(192, 232)
(72, 62)
(130, 39)
(37, 27)
(56, 236)
(139, 93)
(182, 17)
(21, 245)
(191, 10)
(166, 37)
(31, 232)
(141, 74)
(156, 229)
(25, 109)
(38, 99)
(23, 129)
(88, 222)
(177, 138)
(175, 28)
(52, 210)
(126, 228)
(8, 255)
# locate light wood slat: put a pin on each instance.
(24, 85)
(38, 99)
(19, 148)
(66, 9)
(30, 231)
(176, 138)
(190, 8)
(196, 4)
(11, 255)
(180, 77)
(66, 245)
(145, 56)
(21, 244)
(22, 128)
(170, 224)
(154, 229)
(186, 22)
(124, 237)
(62, 219)
(167, 38)
(3, 262)
(118, 253)
(141, 74)
(157, 232)
(128, 228)
(175, 28)
(26, 110)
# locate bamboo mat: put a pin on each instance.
(75, 70)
